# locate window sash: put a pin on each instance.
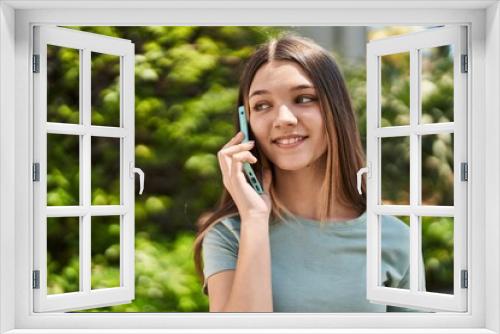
(411, 43)
(85, 43)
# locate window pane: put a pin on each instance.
(436, 87)
(63, 255)
(395, 89)
(63, 169)
(437, 250)
(395, 252)
(395, 170)
(105, 89)
(437, 169)
(63, 84)
(105, 170)
(105, 250)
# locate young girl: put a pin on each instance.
(300, 246)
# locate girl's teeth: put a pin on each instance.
(289, 141)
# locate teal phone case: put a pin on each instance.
(247, 169)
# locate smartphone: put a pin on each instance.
(247, 169)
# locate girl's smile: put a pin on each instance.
(290, 142)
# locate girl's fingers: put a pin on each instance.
(237, 164)
(236, 139)
(244, 156)
(237, 148)
(225, 156)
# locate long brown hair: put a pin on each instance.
(345, 154)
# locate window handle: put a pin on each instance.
(139, 171)
(360, 173)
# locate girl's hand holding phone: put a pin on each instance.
(231, 158)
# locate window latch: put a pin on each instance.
(363, 170)
(139, 171)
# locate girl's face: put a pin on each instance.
(284, 103)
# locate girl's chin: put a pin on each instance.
(297, 162)
(292, 165)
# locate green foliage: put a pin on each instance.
(437, 247)
(165, 276)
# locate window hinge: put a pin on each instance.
(465, 279)
(36, 63)
(36, 279)
(36, 171)
(465, 67)
(464, 171)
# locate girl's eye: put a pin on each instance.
(300, 99)
(307, 98)
(258, 106)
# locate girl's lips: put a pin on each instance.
(290, 145)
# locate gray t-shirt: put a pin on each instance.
(317, 268)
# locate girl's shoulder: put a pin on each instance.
(395, 237)
(231, 222)
(392, 225)
(227, 227)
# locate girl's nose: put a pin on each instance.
(285, 117)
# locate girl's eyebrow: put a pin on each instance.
(263, 91)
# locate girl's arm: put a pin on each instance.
(249, 287)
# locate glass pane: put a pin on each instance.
(63, 244)
(395, 252)
(437, 169)
(105, 170)
(436, 87)
(63, 166)
(395, 89)
(105, 72)
(437, 250)
(63, 84)
(105, 250)
(395, 170)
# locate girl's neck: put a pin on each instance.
(299, 191)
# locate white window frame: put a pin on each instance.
(416, 295)
(85, 43)
(16, 213)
